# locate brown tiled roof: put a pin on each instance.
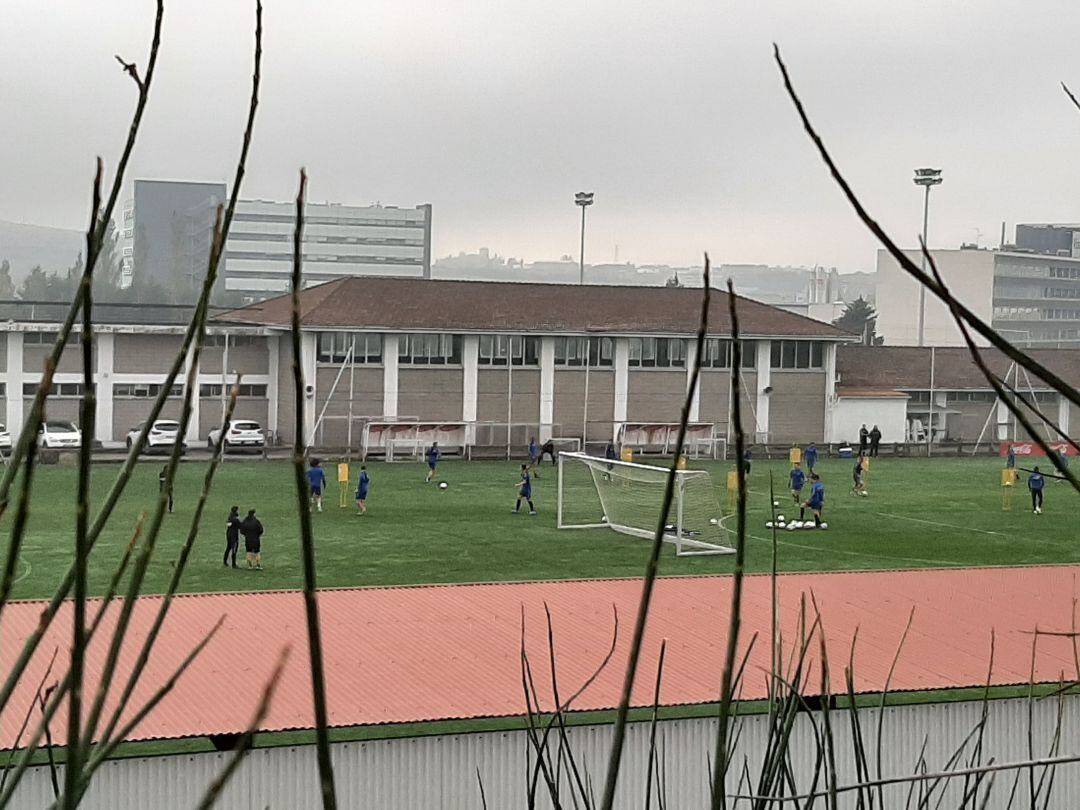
(404, 304)
(908, 367)
(403, 655)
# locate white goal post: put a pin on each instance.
(626, 497)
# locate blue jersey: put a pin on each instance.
(798, 478)
(526, 485)
(1010, 459)
(362, 485)
(1036, 482)
(316, 478)
(811, 456)
(817, 495)
(433, 455)
(534, 451)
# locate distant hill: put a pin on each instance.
(28, 245)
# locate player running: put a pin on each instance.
(524, 487)
(811, 457)
(317, 482)
(798, 480)
(362, 491)
(817, 500)
(859, 485)
(433, 455)
(1036, 482)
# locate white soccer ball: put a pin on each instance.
(781, 525)
(780, 518)
(768, 524)
(808, 525)
(713, 521)
(603, 518)
(795, 523)
(864, 493)
(443, 485)
(776, 503)
(824, 525)
(791, 527)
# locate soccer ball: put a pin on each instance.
(796, 524)
(776, 503)
(603, 518)
(808, 525)
(864, 493)
(791, 527)
(713, 521)
(824, 525)
(443, 485)
(768, 524)
(781, 525)
(780, 518)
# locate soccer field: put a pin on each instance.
(920, 513)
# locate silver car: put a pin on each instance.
(162, 434)
(240, 433)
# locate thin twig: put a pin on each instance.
(307, 539)
(652, 726)
(26, 719)
(652, 566)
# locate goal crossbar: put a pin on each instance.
(626, 497)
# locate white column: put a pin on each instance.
(830, 390)
(103, 425)
(1063, 415)
(192, 436)
(14, 377)
(622, 382)
(691, 361)
(308, 346)
(1002, 417)
(764, 380)
(547, 387)
(273, 388)
(390, 375)
(470, 362)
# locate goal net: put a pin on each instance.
(627, 497)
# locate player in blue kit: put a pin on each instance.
(817, 500)
(317, 482)
(362, 491)
(798, 480)
(433, 456)
(811, 457)
(524, 488)
(1036, 482)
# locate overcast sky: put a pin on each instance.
(497, 112)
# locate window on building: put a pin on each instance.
(235, 341)
(429, 350)
(46, 338)
(143, 390)
(657, 353)
(214, 390)
(571, 351)
(918, 396)
(58, 391)
(797, 354)
(333, 347)
(718, 353)
(523, 350)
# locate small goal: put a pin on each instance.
(626, 497)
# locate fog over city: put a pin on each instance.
(496, 113)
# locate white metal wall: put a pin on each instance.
(440, 773)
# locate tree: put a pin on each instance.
(7, 286)
(859, 317)
(35, 286)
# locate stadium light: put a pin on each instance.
(927, 178)
(584, 199)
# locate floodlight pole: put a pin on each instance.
(925, 178)
(583, 199)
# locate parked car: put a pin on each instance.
(59, 435)
(5, 440)
(241, 433)
(162, 434)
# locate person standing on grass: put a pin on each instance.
(1036, 482)
(316, 477)
(875, 441)
(164, 486)
(1010, 458)
(858, 486)
(548, 448)
(252, 530)
(524, 488)
(433, 456)
(811, 457)
(534, 457)
(748, 461)
(232, 536)
(798, 480)
(864, 439)
(817, 500)
(1063, 457)
(362, 490)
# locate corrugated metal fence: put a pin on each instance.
(440, 773)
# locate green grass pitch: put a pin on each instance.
(920, 513)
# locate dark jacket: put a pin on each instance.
(232, 530)
(252, 530)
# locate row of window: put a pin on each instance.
(1065, 272)
(789, 354)
(140, 390)
(209, 341)
(978, 396)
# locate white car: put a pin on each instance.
(162, 434)
(5, 440)
(241, 433)
(59, 435)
